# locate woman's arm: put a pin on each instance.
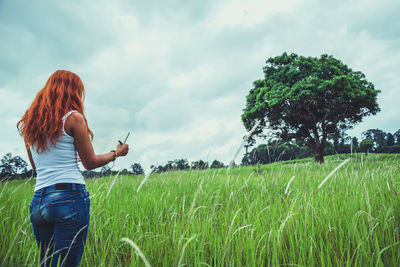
(75, 126)
(30, 158)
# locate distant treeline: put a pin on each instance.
(183, 164)
(374, 140)
(16, 168)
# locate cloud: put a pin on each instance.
(176, 73)
(248, 13)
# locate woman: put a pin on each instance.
(55, 131)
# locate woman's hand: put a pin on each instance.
(76, 126)
(122, 150)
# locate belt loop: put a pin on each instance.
(42, 191)
(73, 187)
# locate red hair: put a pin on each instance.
(42, 121)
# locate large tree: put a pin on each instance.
(309, 99)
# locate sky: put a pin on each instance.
(175, 74)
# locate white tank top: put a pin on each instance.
(58, 163)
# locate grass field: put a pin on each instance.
(245, 217)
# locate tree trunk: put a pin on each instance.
(318, 153)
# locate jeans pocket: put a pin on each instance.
(62, 211)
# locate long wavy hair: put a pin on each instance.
(42, 122)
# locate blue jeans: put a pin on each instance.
(60, 220)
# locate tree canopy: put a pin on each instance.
(377, 136)
(137, 169)
(217, 164)
(366, 145)
(12, 166)
(309, 99)
(199, 165)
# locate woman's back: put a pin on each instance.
(58, 163)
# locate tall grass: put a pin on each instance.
(253, 216)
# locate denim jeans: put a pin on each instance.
(59, 215)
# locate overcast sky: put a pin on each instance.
(176, 73)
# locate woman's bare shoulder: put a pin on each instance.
(76, 116)
(74, 120)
